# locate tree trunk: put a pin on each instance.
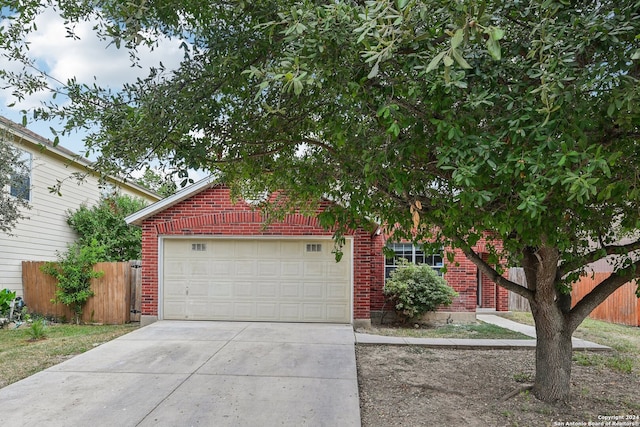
(553, 342)
(553, 360)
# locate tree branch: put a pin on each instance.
(493, 275)
(600, 293)
(596, 255)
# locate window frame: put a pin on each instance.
(21, 180)
(415, 254)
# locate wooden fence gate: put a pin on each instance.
(116, 300)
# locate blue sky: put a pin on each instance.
(63, 58)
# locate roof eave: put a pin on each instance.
(138, 217)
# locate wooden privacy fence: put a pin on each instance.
(623, 306)
(116, 299)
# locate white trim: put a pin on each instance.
(161, 239)
(352, 279)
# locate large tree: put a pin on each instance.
(519, 120)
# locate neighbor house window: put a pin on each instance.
(21, 178)
(413, 254)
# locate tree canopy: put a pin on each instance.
(519, 119)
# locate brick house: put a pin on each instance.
(205, 257)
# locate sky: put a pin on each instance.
(64, 57)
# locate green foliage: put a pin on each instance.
(37, 330)
(6, 296)
(105, 224)
(154, 181)
(74, 271)
(417, 289)
(453, 121)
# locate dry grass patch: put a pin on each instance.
(21, 356)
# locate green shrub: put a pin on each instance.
(74, 271)
(6, 296)
(105, 223)
(37, 330)
(417, 289)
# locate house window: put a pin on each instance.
(413, 254)
(21, 177)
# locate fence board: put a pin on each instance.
(110, 304)
(518, 302)
(621, 307)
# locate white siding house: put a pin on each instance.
(45, 230)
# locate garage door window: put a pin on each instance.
(314, 247)
(199, 247)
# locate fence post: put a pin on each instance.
(136, 288)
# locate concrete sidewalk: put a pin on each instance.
(460, 343)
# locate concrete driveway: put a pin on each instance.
(179, 373)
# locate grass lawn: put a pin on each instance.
(478, 330)
(625, 340)
(20, 356)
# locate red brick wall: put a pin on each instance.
(211, 212)
(461, 275)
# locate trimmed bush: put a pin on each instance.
(417, 289)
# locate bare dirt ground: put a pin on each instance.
(417, 386)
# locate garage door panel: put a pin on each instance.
(267, 290)
(175, 310)
(267, 311)
(336, 291)
(197, 310)
(289, 312)
(313, 312)
(221, 289)
(267, 248)
(293, 280)
(291, 269)
(220, 268)
(175, 267)
(290, 290)
(245, 268)
(220, 311)
(314, 269)
(313, 290)
(337, 312)
(338, 270)
(199, 268)
(244, 289)
(244, 310)
(291, 249)
(245, 249)
(269, 268)
(198, 288)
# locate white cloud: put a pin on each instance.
(63, 57)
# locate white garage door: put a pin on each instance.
(256, 280)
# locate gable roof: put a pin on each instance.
(144, 213)
(32, 140)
